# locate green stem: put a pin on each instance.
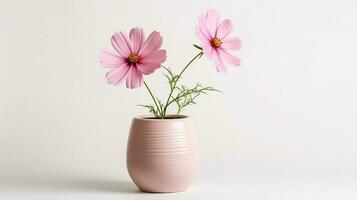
(174, 85)
(153, 98)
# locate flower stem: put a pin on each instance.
(153, 98)
(175, 82)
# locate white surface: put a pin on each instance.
(285, 127)
(245, 189)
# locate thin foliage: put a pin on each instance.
(182, 96)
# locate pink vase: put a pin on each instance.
(161, 154)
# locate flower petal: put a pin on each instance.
(218, 61)
(135, 78)
(110, 59)
(229, 58)
(204, 40)
(121, 44)
(147, 68)
(152, 43)
(208, 50)
(203, 26)
(212, 18)
(231, 43)
(157, 57)
(116, 75)
(224, 29)
(136, 37)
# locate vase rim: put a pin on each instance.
(171, 117)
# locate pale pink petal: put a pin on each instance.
(128, 77)
(218, 61)
(152, 43)
(204, 40)
(203, 26)
(152, 62)
(208, 50)
(134, 79)
(116, 75)
(229, 58)
(147, 68)
(212, 18)
(231, 43)
(136, 37)
(224, 29)
(127, 41)
(155, 57)
(110, 59)
(120, 45)
(123, 52)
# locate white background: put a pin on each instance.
(285, 127)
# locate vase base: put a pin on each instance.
(163, 191)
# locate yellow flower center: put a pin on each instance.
(216, 42)
(133, 58)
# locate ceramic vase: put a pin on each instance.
(161, 153)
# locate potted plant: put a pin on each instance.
(161, 151)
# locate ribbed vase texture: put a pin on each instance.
(161, 153)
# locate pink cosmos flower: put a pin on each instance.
(214, 39)
(134, 56)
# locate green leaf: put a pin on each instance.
(187, 96)
(198, 47)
